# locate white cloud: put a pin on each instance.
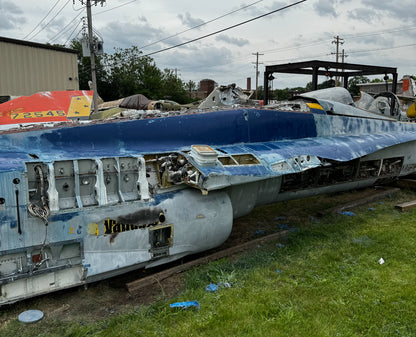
(325, 8)
(296, 34)
(363, 14)
(403, 10)
(138, 33)
(232, 40)
(10, 16)
(189, 21)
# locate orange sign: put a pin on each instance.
(48, 106)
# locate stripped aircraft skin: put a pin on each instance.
(81, 203)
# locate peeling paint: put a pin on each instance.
(147, 191)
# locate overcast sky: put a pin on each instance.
(373, 32)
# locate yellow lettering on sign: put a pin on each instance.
(37, 114)
(71, 230)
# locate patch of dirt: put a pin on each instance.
(94, 302)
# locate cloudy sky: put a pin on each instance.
(374, 32)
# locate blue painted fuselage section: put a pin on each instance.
(160, 210)
(236, 131)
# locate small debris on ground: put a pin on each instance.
(347, 213)
(30, 316)
(211, 287)
(185, 305)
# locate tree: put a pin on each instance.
(353, 83)
(130, 73)
(190, 86)
(260, 92)
(173, 88)
(127, 72)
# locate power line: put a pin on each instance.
(73, 32)
(66, 3)
(200, 25)
(295, 59)
(56, 3)
(107, 10)
(393, 30)
(349, 52)
(65, 29)
(350, 36)
(277, 50)
(225, 29)
(387, 48)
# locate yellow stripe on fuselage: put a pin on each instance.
(314, 106)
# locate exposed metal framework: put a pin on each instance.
(326, 68)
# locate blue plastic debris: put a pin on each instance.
(280, 245)
(381, 203)
(211, 287)
(347, 213)
(371, 209)
(283, 226)
(185, 305)
(278, 271)
(259, 232)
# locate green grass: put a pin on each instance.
(329, 283)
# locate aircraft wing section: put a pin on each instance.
(272, 159)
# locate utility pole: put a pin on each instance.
(257, 70)
(337, 41)
(91, 45)
(92, 57)
(175, 70)
(343, 59)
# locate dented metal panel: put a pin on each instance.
(85, 202)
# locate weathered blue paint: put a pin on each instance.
(9, 220)
(269, 135)
(63, 217)
(276, 139)
(164, 134)
(261, 131)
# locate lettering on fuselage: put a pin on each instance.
(137, 220)
(112, 226)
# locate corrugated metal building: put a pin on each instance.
(28, 67)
